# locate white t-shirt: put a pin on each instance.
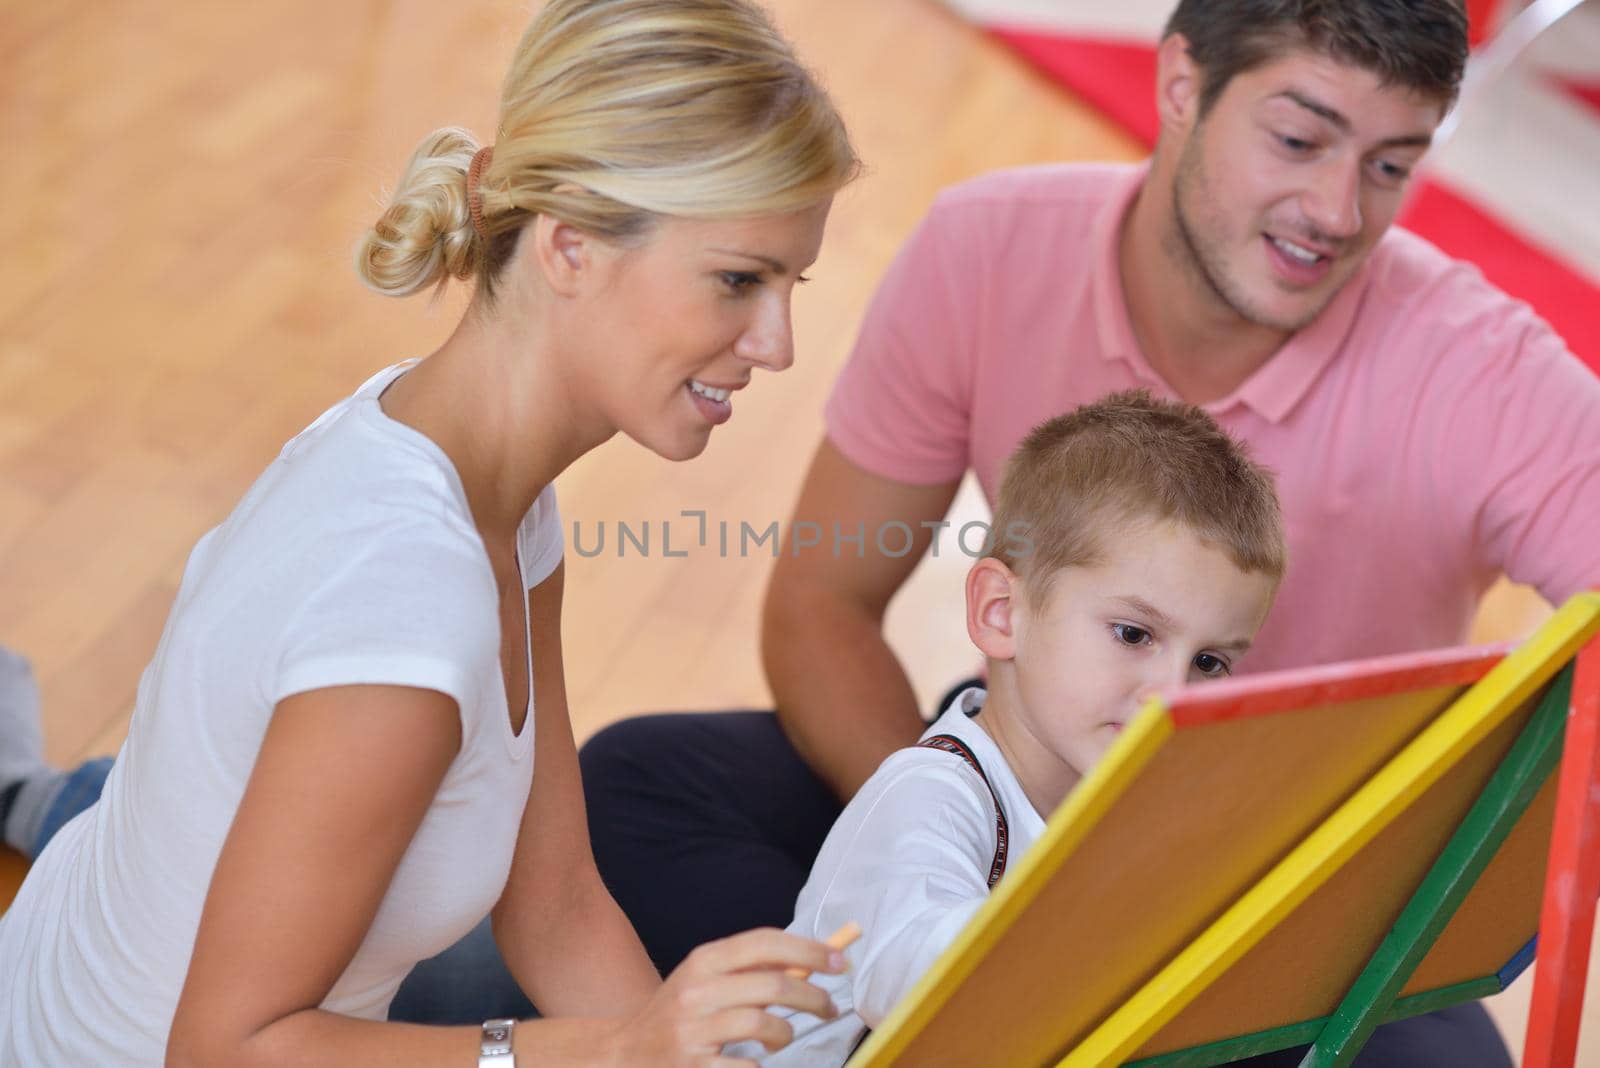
(909, 861)
(353, 559)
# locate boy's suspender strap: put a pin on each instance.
(952, 744)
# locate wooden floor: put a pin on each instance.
(183, 185)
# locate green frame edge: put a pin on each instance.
(1304, 1034)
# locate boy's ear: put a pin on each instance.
(992, 589)
(1177, 85)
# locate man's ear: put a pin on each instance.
(992, 608)
(564, 254)
(1177, 85)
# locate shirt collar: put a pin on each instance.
(969, 702)
(1278, 385)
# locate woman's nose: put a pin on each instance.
(769, 339)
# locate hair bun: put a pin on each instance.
(425, 236)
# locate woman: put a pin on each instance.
(330, 771)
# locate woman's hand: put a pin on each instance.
(720, 994)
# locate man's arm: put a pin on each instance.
(843, 699)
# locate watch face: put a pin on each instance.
(496, 1041)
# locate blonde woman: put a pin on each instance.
(331, 772)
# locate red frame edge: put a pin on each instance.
(1572, 881)
(1354, 680)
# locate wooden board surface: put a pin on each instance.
(1326, 942)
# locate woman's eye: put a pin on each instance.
(1128, 634)
(1294, 144)
(1207, 664)
(739, 281)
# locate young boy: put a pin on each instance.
(1137, 548)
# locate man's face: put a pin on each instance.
(1282, 189)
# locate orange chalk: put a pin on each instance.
(840, 939)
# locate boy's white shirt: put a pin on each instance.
(909, 861)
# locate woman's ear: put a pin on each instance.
(992, 608)
(1177, 85)
(564, 254)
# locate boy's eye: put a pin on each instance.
(1128, 634)
(1207, 664)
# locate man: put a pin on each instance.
(1427, 431)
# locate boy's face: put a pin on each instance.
(1161, 608)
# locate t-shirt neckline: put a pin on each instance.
(368, 403)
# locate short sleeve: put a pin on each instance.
(400, 606)
(900, 408)
(912, 868)
(539, 538)
(1522, 452)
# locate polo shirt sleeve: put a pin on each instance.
(901, 406)
(913, 868)
(1522, 448)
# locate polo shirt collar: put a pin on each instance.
(1277, 386)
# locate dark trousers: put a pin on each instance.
(706, 824)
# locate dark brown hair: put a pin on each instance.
(1419, 44)
(1129, 459)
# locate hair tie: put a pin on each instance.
(480, 161)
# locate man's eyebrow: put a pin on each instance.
(1317, 108)
(1416, 140)
(1342, 123)
(776, 265)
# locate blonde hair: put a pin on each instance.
(616, 113)
(1076, 479)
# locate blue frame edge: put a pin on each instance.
(1518, 963)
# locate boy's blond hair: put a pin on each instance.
(1125, 460)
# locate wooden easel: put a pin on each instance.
(1388, 833)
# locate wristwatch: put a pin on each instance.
(495, 1049)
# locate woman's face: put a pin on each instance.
(682, 321)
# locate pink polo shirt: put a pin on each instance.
(1427, 431)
